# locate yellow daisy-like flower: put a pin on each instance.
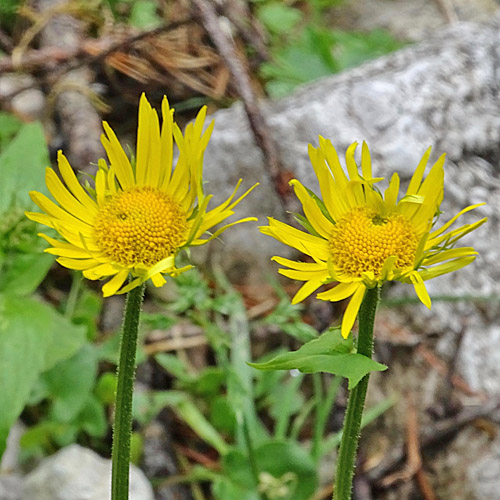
(361, 238)
(140, 216)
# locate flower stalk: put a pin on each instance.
(122, 428)
(352, 420)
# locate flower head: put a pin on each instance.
(360, 238)
(139, 216)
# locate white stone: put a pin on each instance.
(77, 473)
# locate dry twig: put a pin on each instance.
(414, 459)
(434, 435)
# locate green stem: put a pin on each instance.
(352, 420)
(122, 429)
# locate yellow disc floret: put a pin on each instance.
(141, 225)
(362, 241)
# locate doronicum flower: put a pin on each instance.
(360, 238)
(140, 214)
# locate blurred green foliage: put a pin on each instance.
(141, 14)
(304, 47)
(34, 337)
(8, 11)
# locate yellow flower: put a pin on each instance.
(140, 216)
(361, 238)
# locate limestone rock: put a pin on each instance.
(10, 487)
(77, 473)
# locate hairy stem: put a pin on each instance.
(122, 428)
(352, 420)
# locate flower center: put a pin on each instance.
(140, 226)
(363, 240)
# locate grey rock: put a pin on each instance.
(77, 473)
(10, 457)
(10, 487)
(30, 102)
(413, 20)
(483, 474)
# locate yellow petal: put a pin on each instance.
(452, 253)
(67, 201)
(339, 292)
(74, 186)
(312, 211)
(222, 229)
(300, 266)
(77, 264)
(352, 310)
(294, 274)
(356, 188)
(331, 195)
(158, 280)
(416, 179)
(166, 142)
(366, 162)
(112, 286)
(305, 290)
(447, 267)
(100, 186)
(101, 270)
(304, 242)
(117, 158)
(143, 138)
(51, 209)
(418, 284)
(443, 228)
(391, 193)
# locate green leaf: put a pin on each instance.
(147, 404)
(285, 469)
(351, 49)
(307, 58)
(87, 310)
(279, 18)
(25, 333)
(136, 448)
(329, 353)
(208, 383)
(67, 339)
(9, 124)
(23, 272)
(23, 167)
(188, 411)
(42, 436)
(222, 415)
(105, 388)
(286, 400)
(92, 418)
(174, 365)
(33, 337)
(70, 384)
(290, 464)
(143, 14)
